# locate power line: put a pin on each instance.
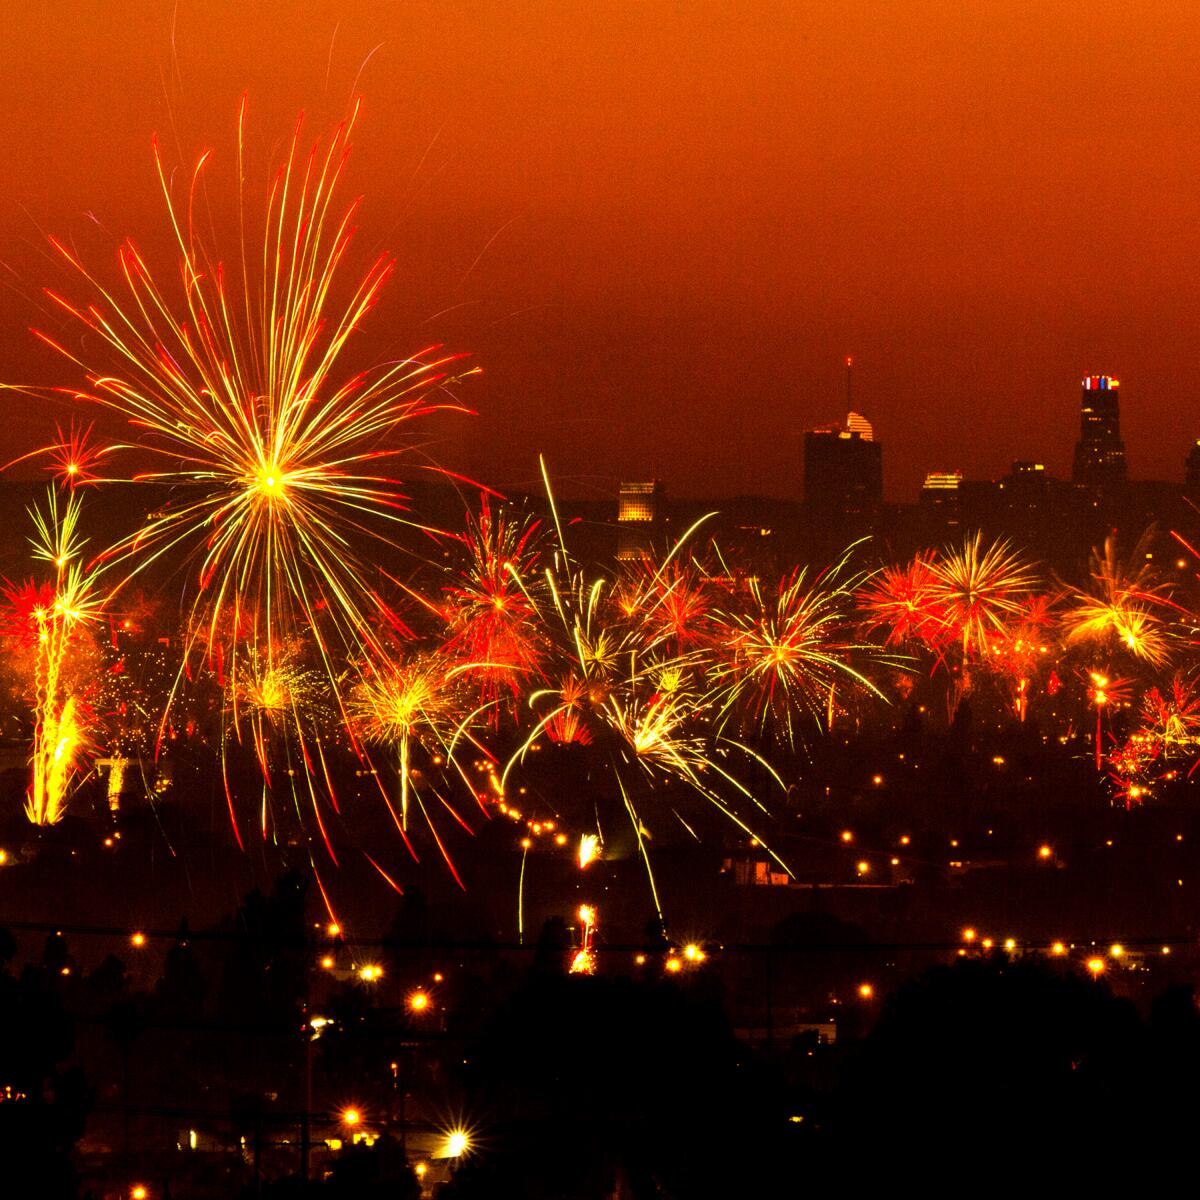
(489, 945)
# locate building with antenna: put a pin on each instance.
(843, 474)
(843, 470)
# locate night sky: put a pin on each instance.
(659, 228)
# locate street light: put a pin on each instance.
(458, 1143)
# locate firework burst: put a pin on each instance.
(49, 622)
(979, 589)
(1171, 717)
(786, 654)
(1125, 606)
(283, 705)
(906, 603)
(418, 707)
(1022, 651)
(492, 606)
(230, 375)
(628, 699)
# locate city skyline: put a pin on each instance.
(648, 271)
(596, 601)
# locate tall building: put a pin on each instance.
(843, 470)
(640, 517)
(857, 423)
(1099, 453)
(1191, 473)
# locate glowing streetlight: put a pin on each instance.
(866, 991)
(351, 1117)
(1045, 852)
(1095, 965)
(418, 1002)
(138, 940)
(1058, 949)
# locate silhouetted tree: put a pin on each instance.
(594, 1087)
(1013, 1056)
(43, 1105)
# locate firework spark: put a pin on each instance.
(493, 605)
(980, 589)
(230, 377)
(1124, 606)
(786, 654)
(417, 707)
(1104, 692)
(48, 621)
(589, 849)
(584, 960)
(906, 602)
(628, 700)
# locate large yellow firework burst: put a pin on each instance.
(230, 376)
(1125, 605)
(788, 653)
(980, 588)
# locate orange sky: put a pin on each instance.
(659, 227)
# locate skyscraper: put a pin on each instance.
(1099, 453)
(843, 470)
(639, 518)
(1191, 473)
